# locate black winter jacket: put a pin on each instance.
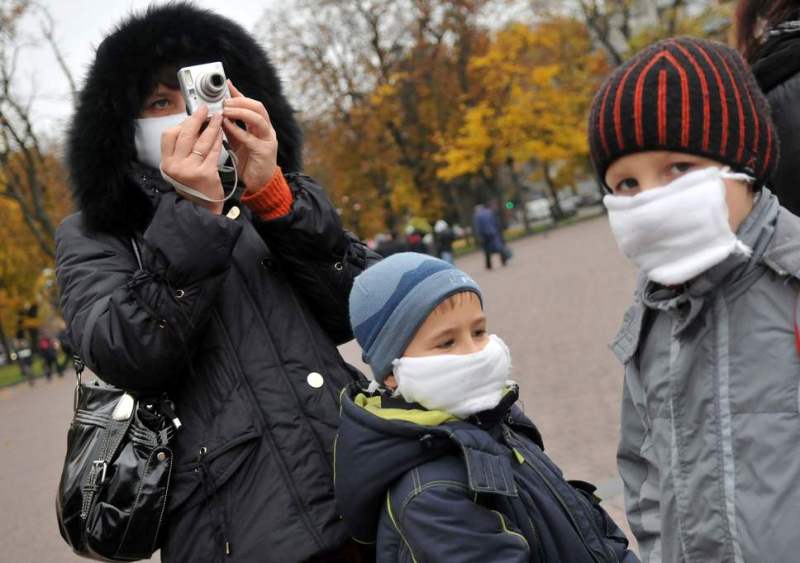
(778, 73)
(429, 488)
(238, 319)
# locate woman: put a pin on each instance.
(769, 37)
(239, 306)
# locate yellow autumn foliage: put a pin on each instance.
(536, 87)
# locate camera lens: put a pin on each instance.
(211, 86)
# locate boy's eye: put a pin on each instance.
(161, 103)
(480, 333)
(626, 185)
(446, 344)
(680, 168)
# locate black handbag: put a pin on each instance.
(114, 485)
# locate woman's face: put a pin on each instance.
(163, 101)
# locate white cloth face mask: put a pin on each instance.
(679, 231)
(461, 385)
(148, 138)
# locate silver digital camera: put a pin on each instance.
(204, 84)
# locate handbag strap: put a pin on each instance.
(113, 434)
(77, 361)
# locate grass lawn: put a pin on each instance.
(10, 374)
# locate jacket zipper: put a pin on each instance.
(290, 485)
(537, 539)
(561, 501)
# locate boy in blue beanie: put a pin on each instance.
(434, 462)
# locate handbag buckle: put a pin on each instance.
(103, 465)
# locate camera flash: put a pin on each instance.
(187, 78)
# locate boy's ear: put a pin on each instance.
(390, 382)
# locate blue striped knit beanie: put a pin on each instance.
(391, 300)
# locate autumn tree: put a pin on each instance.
(536, 87)
(622, 27)
(21, 265)
(29, 175)
(379, 81)
(33, 192)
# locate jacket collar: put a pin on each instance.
(150, 182)
(478, 438)
(778, 60)
(783, 255)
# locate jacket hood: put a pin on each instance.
(100, 144)
(382, 438)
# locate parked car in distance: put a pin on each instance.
(539, 209)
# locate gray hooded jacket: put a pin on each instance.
(710, 449)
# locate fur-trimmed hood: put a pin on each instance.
(101, 151)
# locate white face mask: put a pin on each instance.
(148, 138)
(461, 385)
(679, 231)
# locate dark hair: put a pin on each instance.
(753, 16)
(166, 74)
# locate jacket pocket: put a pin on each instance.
(763, 362)
(195, 481)
(222, 431)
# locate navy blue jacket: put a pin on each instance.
(426, 487)
(488, 229)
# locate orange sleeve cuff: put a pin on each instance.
(273, 200)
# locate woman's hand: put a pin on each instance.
(190, 157)
(256, 147)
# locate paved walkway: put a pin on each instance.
(557, 305)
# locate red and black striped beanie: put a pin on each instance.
(684, 95)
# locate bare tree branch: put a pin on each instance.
(48, 31)
(23, 168)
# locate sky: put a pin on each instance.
(80, 25)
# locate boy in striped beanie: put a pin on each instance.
(682, 139)
(434, 461)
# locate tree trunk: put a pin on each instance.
(559, 213)
(4, 343)
(520, 195)
(12, 354)
(496, 195)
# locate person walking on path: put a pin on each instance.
(489, 233)
(49, 354)
(238, 308)
(443, 238)
(710, 429)
(769, 37)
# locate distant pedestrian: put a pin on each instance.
(435, 460)
(709, 451)
(415, 240)
(489, 232)
(391, 244)
(49, 354)
(443, 238)
(769, 37)
(24, 355)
